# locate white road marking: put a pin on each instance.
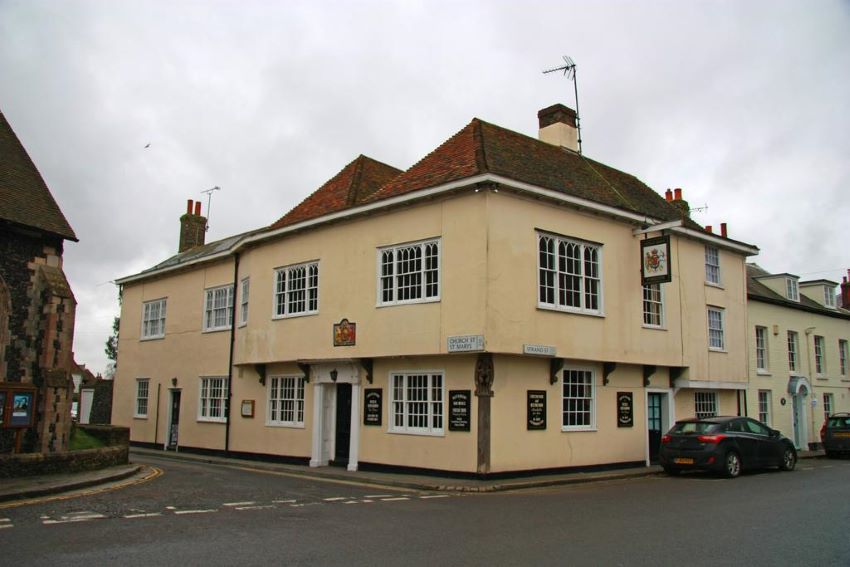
(378, 496)
(367, 501)
(250, 503)
(145, 515)
(351, 502)
(194, 511)
(434, 496)
(336, 498)
(290, 501)
(258, 507)
(6, 523)
(394, 499)
(4, 526)
(3, 520)
(75, 517)
(170, 507)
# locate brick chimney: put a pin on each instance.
(193, 227)
(845, 292)
(682, 205)
(558, 126)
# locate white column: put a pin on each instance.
(318, 424)
(354, 442)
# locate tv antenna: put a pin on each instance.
(569, 69)
(209, 194)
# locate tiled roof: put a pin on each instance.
(356, 182)
(481, 148)
(760, 292)
(24, 197)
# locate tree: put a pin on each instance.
(111, 349)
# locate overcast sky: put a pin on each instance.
(744, 105)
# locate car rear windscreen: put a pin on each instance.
(695, 427)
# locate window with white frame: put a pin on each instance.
(212, 404)
(297, 290)
(142, 392)
(761, 349)
(827, 405)
(578, 400)
(716, 337)
(153, 319)
(820, 355)
(705, 404)
(653, 305)
(792, 291)
(764, 406)
(712, 265)
(218, 308)
(245, 288)
(569, 274)
(842, 356)
(286, 401)
(829, 297)
(793, 352)
(409, 273)
(417, 402)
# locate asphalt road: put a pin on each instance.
(195, 514)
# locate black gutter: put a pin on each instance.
(230, 358)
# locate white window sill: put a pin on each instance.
(242, 324)
(211, 420)
(140, 417)
(215, 329)
(821, 378)
(717, 285)
(654, 327)
(410, 302)
(578, 429)
(546, 307)
(294, 315)
(283, 425)
(152, 338)
(721, 350)
(440, 433)
(760, 372)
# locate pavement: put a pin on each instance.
(12, 489)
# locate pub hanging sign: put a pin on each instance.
(655, 260)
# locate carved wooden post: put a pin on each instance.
(484, 375)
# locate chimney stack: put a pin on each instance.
(723, 229)
(558, 126)
(845, 292)
(193, 227)
(681, 204)
(668, 195)
(708, 228)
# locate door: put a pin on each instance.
(86, 399)
(654, 424)
(174, 422)
(343, 424)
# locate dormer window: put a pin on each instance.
(829, 297)
(792, 292)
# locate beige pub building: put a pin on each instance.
(799, 356)
(481, 313)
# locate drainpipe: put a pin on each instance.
(811, 374)
(230, 357)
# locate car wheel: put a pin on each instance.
(731, 464)
(671, 471)
(789, 460)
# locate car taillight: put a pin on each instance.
(712, 439)
(665, 439)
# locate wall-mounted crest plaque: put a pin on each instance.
(345, 333)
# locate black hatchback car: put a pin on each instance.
(726, 445)
(835, 435)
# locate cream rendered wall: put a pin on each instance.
(348, 286)
(514, 447)
(185, 353)
(451, 451)
(255, 434)
(776, 378)
(619, 336)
